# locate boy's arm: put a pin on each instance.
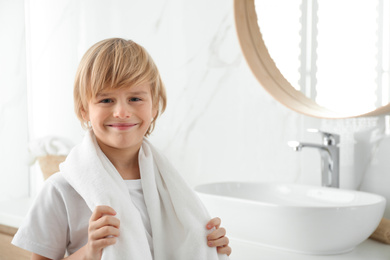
(38, 257)
(218, 238)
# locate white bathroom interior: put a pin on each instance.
(221, 124)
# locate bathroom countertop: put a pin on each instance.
(369, 249)
(12, 213)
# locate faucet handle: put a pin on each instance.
(327, 138)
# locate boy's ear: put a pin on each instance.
(84, 114)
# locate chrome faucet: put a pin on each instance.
(330, 156)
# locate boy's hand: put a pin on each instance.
(217, 238)
(102, 231)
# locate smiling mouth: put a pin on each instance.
(122, 126)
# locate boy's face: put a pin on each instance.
(121, 117)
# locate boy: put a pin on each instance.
(118, 95)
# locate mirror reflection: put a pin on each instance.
(335, 52)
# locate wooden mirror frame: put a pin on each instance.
(269, 76)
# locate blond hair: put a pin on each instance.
(116, 63)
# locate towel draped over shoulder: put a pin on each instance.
(178, 217)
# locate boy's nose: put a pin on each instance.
(122, 111)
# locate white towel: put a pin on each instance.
(177, 215)
(49, 145)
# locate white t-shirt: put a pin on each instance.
(57, 223)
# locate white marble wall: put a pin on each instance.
(13, 102)
(220, 125)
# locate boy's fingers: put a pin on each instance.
(104, 232)
(107, 220)
(216, 234)
(102, 243)
(100, 211)
(222, 242)
(226, 250)
(215, 222)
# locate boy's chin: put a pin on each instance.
(121, 142)
(127, 143)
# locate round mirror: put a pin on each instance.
(328, 60)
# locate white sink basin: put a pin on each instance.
(298, 218)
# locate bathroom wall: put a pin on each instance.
(220, 124)
(13, 102)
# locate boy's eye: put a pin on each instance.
(107, 100)
(135, 99)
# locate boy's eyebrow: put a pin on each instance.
(105, 94)
(102, 94)
(138, 92)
